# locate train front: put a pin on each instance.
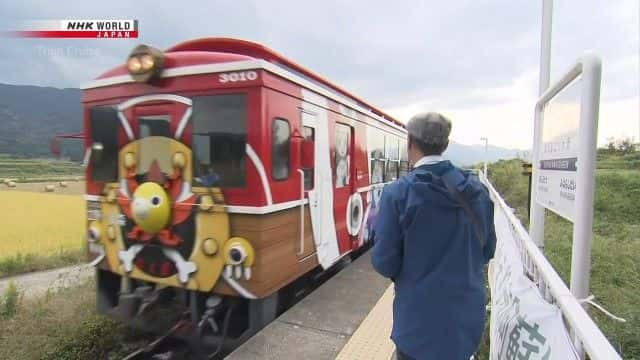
(165, 132)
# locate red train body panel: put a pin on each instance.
(230, 172)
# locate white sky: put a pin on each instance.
(476, 61)
(508, 122)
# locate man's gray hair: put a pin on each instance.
(430, 128)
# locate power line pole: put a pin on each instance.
(536, 219)
(486, 154)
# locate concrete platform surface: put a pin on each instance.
(320, 325)
(372, 339)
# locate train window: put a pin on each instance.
(404, 159)
(342, 155)
(154, 126)
(158, 147)
(391, 147)
(404, 156)
(104, 123)
(280, 138)
(391, 172)
(309, 134)
(393, 157)
(377, 171)
(375, 143)
(404, 168)
(219, 140)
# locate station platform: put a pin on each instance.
(347, 318)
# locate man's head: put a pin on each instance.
(428, 135)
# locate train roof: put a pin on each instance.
(258, 51)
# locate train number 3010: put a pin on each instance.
(238, 76)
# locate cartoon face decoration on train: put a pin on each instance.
(158, 228)
(342, 157)
(373, 195)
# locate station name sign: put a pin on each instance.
(559, 153)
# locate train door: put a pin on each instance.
(306, 245)
(318, 181)
(344, 182)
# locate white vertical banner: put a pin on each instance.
(523, 325)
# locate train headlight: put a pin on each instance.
(145, 63)
(134, 65)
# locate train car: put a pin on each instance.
(218, 173)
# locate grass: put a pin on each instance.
(63, 325)
(40, 231)
(615, 272)
(24, 169)
(19, 264)
(608, 160)
(9, 301)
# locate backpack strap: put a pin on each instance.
(450, 179)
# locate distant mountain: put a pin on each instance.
(31, 115)
(465, 155)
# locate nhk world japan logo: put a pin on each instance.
(79, 29)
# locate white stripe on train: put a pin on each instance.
(263, 174)
(154, 97)
(254, 65)
(259, 210)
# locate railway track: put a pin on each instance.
(181, 342)
(173, 345)
(165, 347)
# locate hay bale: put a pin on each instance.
(11, 184)
(49, 188)
(63, 184)
(6, 181)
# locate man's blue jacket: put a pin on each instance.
(426, 243)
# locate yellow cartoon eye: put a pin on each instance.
(237, 251)
(93, 233)
(156, 201)
(237, 254)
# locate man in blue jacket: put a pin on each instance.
(433, 235)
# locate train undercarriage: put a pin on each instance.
(209, 325)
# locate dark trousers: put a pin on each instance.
(402, 356)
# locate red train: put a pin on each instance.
(218, 173)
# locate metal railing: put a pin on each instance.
(536, 266)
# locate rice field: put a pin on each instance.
(27, 170)
(36, 226)
(71, 187)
